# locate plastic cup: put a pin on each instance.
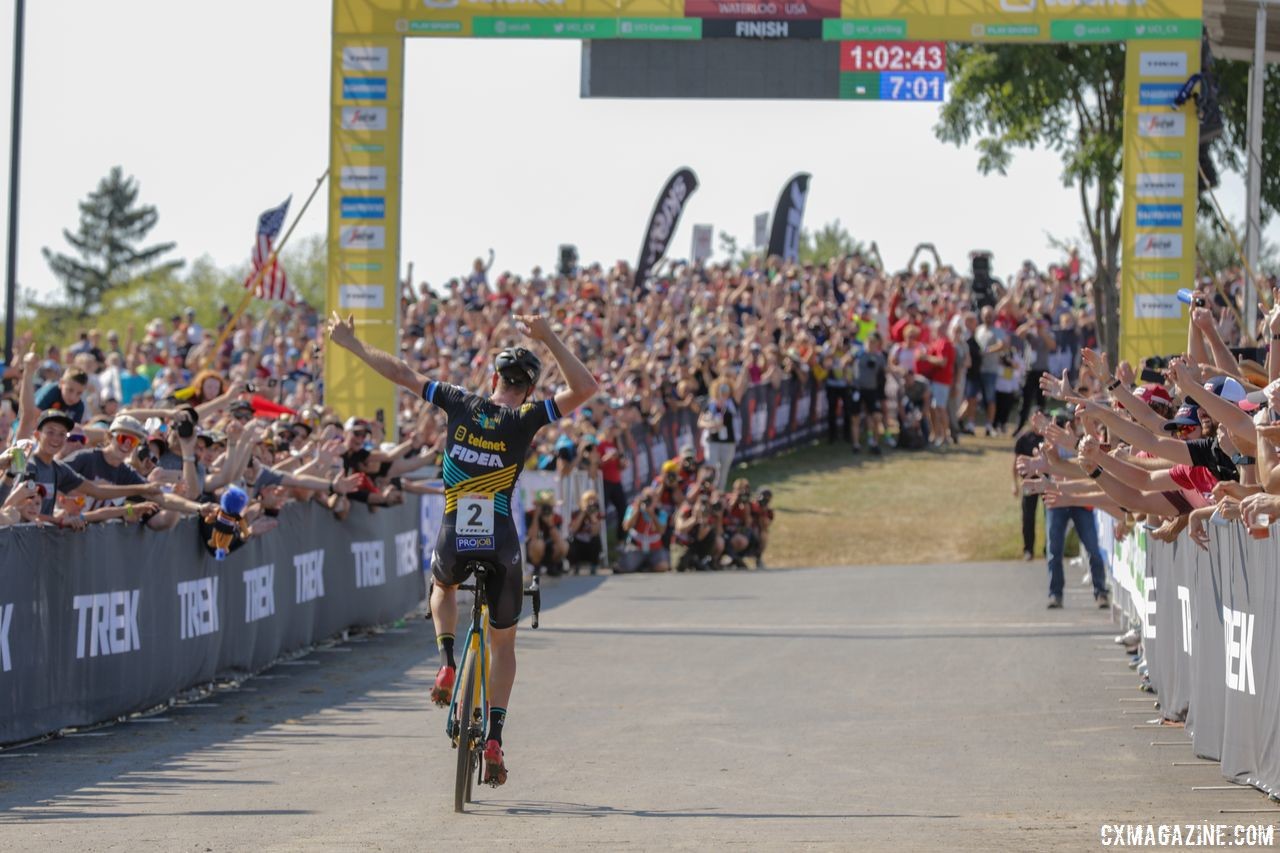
(1261, 527)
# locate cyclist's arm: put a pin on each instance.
(582, 385)
(386, 365)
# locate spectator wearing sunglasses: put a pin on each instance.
(107, 465)
(53, 478)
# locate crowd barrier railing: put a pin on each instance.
(1209, 625)
(117, 619)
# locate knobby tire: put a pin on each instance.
(466, 751)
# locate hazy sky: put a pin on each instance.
(220, 111)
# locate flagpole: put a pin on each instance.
(257, 276)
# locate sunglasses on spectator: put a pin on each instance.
(359, 432)
(242, 415)
(127, 441)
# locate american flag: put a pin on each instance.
(272, 284)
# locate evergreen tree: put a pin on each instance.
(108, 244)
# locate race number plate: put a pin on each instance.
(475, 515)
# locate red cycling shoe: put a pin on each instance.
(495, 772)
(442, 692)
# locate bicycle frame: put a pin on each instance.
(476, 643)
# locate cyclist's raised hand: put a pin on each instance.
(342, 332)
(534, 326)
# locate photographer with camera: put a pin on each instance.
(739, 524)
(763, 521)
(584, 533)
(544, 546)
(699, 527)
(644, 524)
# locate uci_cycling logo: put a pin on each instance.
(473, 543)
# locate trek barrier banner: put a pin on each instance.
(662, 224)
(1210, 628)
(788, 217)
(117, 619)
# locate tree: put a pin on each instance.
(1068, 98)
(107, 244)
(1233, 96)
(1217, 251)
(832, 240)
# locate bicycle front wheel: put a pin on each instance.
(466, 748)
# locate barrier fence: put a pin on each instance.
(771, 419)
(117, 619)
(1209, 625)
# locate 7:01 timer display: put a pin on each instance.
(912, 85)
(893, 56)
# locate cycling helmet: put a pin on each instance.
(518, 366)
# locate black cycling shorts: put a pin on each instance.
(869, 402)
(504, 587)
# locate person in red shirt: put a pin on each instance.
(938, 365)
(612, 464)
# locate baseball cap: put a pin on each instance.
(1148, 393)
(1260, 397)
(241, 404)
(1232, 391)
(355, 423)
(58, 417)
(1186, 416)
(688, 451)
(670, 467)
(130, 425)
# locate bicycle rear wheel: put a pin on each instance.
(466, 748)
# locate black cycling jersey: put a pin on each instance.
(485, 451)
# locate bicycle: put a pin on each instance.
(468, 717)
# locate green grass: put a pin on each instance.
(927, 506)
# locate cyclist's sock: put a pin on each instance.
(497, 716)
(444, 642)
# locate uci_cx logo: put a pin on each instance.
(473, 543)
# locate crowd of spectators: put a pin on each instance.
(906, 360)
(1174, 444)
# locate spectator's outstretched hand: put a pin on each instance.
(1054, 387)
(1202, 319)
(1096, 364)
(1125, 373)
(1197, 532)
(342, 332)
(348, 484)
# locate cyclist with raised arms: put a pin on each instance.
(488, 441)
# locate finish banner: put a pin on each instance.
(788, 217)
(117, 619)
(663, 222)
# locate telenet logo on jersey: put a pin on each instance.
(461, 436)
